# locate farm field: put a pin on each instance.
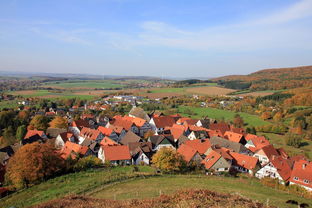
(250, 120)
(122, 183)
(255, 93)
(212, 90)
(8, 104)
(53, 95)
(102, 84)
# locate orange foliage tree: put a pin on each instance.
(169, 160)
(39, 122)
(32, 163)
(59, 122)
(238, 121)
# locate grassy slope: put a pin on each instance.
(152, 187)
(84, 84)
(250, 120)
(75, 183)
(122, 183)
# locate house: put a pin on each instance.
(265, 153)
(93, 147)
(54, 132)
(244, 163)
(119, 130)
(235, 137)
(31, 133)
(141, 152)
(160, 123)
(137, 112)
(200, 145)
(234, 146)
(301, 174)
(176, 131)
(215, 162)
(255, 143)
(109, 133)
(130, 137)
(92, 134)
(205, 123)
(73, 150)
(197, 133)
(160, 141)
(126, 124)
(108, 141)
(116, 155)
(76, 126)
(222, 127)
(63, 137)
(190, 154)
(277, 167)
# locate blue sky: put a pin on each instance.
(176, 38)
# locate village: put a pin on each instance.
(134, 138)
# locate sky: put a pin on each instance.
(168, 38)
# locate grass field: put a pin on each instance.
(279, 141)
(8, 104)
(152, 187)
(53, 95)
(75, 183)
(122, 183)
(250, 120)
(84, 84)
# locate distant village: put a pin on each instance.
(134, 138)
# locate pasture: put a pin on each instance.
(77, 85)
(249, 119)
(52, 94)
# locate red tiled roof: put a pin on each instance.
(88, 133)
(70, 148)
(199, 144)
(244, 161)
(283, 166)
(303, 171)
(66, 136)
(105, 131)
(108, 141)
(250, 136)
(269, 150)
(163, 121)
(223, 127)
(113, 153)
(31, 133)
(211, 159)
(176, 130)
(187, 151)
(80, 124)
(232, 136)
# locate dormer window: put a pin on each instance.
(296, 178)
(306, 181)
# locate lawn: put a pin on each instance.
(103, 84)
(153, 187)
(250, 120)
(75, 183)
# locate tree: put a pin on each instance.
(20, 132)
(251, 130)
(23, 116)
(238, 121)
(87, 162)
(39, 122)
(8, 136)
(278, 116)
(59, 122)
(169, 160)
(299, 121)
(266, 115)
(293, 140)
(32, 163)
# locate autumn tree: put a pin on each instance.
(169, 160)
(299, 121)
(20, 132)
(238, 121)
(32, 163)
(39, 122)
(266, 115)
(23, 116)
(278, 117)
(293, 140)
(59, 122)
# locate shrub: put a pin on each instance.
(294, 140)
(87, 162)
(169, 160)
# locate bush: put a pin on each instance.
(294, 140)
(169, 160)
(87, 162)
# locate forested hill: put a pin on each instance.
(270, 79)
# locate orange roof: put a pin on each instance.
(250, 136)
(283, 166)
(187, 151)
(89, 133)
(163, 121)
(211, 159)
(105, 131)
(244, 161)
(31, 133)
(232, 136)
(259, 143)
(197, 128)
(80, 124)
(66, 136)
(117, 129)
(200, 145)
(119, 152)
(108, 141)
(176, 130)
(125, 123)
(303, 171)
(70, 148)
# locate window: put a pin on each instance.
(306, 181)
(296, 178)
